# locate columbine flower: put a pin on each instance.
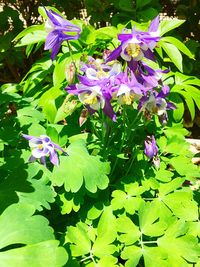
(136, 45)
(149, 77)
(96, 72)
(156, 104)
(129, 89)
(151, 150)
(43, 147)
(94, 97)
(97, 86)
(58, 30)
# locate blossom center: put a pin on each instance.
(155, 110)
(128, 99)
(40, 146)
(133, 50)
(101, 74)
(90, 99)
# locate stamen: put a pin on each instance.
(101, 74)
(133, 50)
(155, 110)
(128, 99)
(40, 146)
(90, 99)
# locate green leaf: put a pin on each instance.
(190, 103)
(32, 38)
(87, 35)
(154, 256)
(180, 45)
(149, 13)
(182, 247)
(163, 175)
(182, 205)
(68, 106)
(69, 202)
(78, 238)
(194, 92)
(106, 234)
(49, 100)
(151, 221)
(184, 166)
(106, 33)
(28, 30)
(59, 74)
(166, 188)
(106, 229)
(130, 233)
(173, 53)
(81, 167)
(126, 5)
(42, 12)
(108, 260)
(29, 115)
(42, 254)
(95, 211)
(132, 254)
(36, 129)
(129, 202)
(176, 145)
(168, 25)
(18, 225)
(176, 130)
(42, 195)
(179, 111)
(141, 3)
(194, 228)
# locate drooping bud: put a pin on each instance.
(151, 150)
(70, 72)
(83, 117)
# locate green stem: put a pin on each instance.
(149, 242)
(132, 160)
(71, 55)
(122, 140)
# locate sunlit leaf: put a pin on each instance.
(80, 168)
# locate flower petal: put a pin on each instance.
(54, 158)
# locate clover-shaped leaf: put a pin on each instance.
(81, 168)
(46, 253)
(183, 248)
(129, 199)
(18, 226)
(180, 202)
(79, 239)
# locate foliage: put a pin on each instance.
(108, 203)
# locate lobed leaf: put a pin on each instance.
(81, 168)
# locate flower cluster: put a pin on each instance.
(43, 147)
(124, 76)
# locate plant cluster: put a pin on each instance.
(106, 177)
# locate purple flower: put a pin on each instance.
(96, 72)
(97, 86)
(94, 97)
(43, 147)
(149, 77)
(129, 89)
(155, 103)
(151, 150)
(58, 30)
(136, 45)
